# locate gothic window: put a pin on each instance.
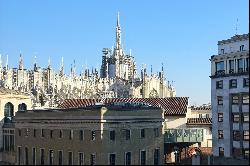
(9, 110)
(22, 107)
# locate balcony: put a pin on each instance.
(220, 72)
(183, 135)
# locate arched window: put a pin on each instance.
(22, 107)
(8, 110)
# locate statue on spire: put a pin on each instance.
(118, 33)
(20, 62)
(61, 68)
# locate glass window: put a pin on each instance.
(92, 159)
(51, 157)
(111, 159)
(34, 133)
(219, 100)
(156, 156)
(127, 134)
(240, 65)
(235, 99)
(81, 135)
(221, 151)
(81, 158)
(70, 161)
(245, 82)
(42, 132)
(70, 134)
(33, 156)
(51, 134)
(142, 133)
(246, 153)
(233, 83)
(231, 66)
(128, 158)
(143, 157)
(247, 64)
(219, 84)
(236, 117)
(245, 99)
(246, 117)
(220, 68)
(112, 135)
(236, 135)
(60, 157)
(60, 133)
(220, 134)
(42, 156)
(26, 156)
(220, 117)
(19, 151)
(19, 132)
(222, 51)
(156, 132)
(242, 48)
(92, 135)
(246, 135)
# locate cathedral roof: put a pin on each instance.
(170, 105)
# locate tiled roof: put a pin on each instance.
(171, 105)
(197, 121)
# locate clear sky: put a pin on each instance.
(182, 34)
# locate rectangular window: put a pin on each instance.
(92, 159)
(236, 118)
(220, 134)
(240, 65)
(245, 99)
(127, 134)
(111, 159)
(246, 153)
(81, 135)
(142, 133)
(156, 156)
(70, 134)
(60, 157)
(156, 132)
(19, 132)
(51, 134)
(219, 68)
(33, 156)
(92, 135)
(246, 135)
(245, 82)
(236, 135)
(221, 151)
(231, 66)
(128, 158)
(246, 117)
(207, 115)
(42, 157)
(70, 160)
(51, 157)
(242, 48)
(42, 132)
(34, 133)
(220, 117)
(60, 133)
(80, 158)
(219, 84)
(247, 64)
(143, 157)
(235, 99)
(26, 152)
(233, 83)
(222, 51)
(19, 154)
(26, 132)
(200, 115)
(219, 100)
(112, 135)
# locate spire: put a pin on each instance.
(7, 59)
(118, 20)
(118, 33)
(62, 68)
(49, 63)
(21, 61)
(0, 61)
(35, 66)
(236, 27)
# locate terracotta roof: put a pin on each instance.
(201, 121)
(171, 105)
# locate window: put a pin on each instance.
(26, 132)
(220, 134)
(9, 110)
(219, 68)
(60, 157)
(246, 135)
(246, 153)
(92, 135)
(22, 107)
(242, 48)
(246, 117)
(233, 83)
(112, 135)
(219, 100)
(231, 66)
(222, 51)
(200, 115)
(19, 132)
(142, 133)
(81, 135)
(219, 84)
(19, 154)
(42, 132)
(26, 152)
(235, 99)
(70, 160)
(51, 157)
(60, 133)
(236, 135)
(33, 156)
(236, 117)
(245, 82)
(80, 158)
(245, 99)
(51, 134)
(92, 159)
(128, 158)
(127, 134)
(240, 65)
(247, 64)
(111, 159)
(156, 132)
(207, 115)
(221, 151)
(143, 157)
(42, 156)
(34, 133)
(70, 134)
(156, 156)
(220, 117)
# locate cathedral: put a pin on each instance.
(117, 78)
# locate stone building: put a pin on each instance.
(230, 99)
(119, 133)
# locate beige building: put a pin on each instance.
(119, 133)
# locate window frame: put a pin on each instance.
(246, 135)
(145, 162)
(234, 100)
(220, 118)
(245, 116)
(245, 82)
(109, 155)
(93, 135)
(219, 84)
(236, 135)
(219, 100)
(112, 135)
(220, 134)
(59, 157)
(51, 157)
(245, 101)
(79, 158)
(142, 133)
(70, 157)
(233, 83)
(233, 117)
(221, 151)
(125, 162)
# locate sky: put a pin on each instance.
(181, 34)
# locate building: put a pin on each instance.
(230, 99)
(118, 133)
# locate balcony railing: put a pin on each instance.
(220, 72)
(183, 135)
(231, 71)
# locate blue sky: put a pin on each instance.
(181, 34)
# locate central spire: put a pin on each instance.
(118, 33)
